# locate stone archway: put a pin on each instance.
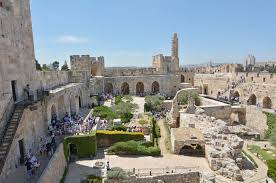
(125, 88)
(267, 103)
(192, 150)
(182, 79)
(139, 88)
(108, 88)
(155, 88)
(252, 100)
(61, 107)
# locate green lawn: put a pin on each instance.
(261, 152)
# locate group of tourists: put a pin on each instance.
(134, 129)
(69, 125)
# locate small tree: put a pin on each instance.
(46, 67)
(65, 67)
(182, 97)
(55, 65)
(37, 65)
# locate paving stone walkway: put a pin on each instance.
(262, 168)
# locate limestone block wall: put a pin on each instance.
(54, 171)
(256, 120)
(129, 71)
(257, 77)
(211, 84)
(32, 127)
(96, 85)
(191, 177)
(50, 79)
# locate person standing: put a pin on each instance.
(28, 165)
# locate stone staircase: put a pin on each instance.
(9, 132)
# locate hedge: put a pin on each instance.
(107, 138)
(86, 145)
(134, 148)
(271, 123)
(94, 179)
(272, 169)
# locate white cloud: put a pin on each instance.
(70, 39)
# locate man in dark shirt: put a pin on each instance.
(28, 165)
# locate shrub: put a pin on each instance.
(134, 148)
(118, 99)
(107, 138)
(143, 122)
(119, 128)
(85, 144)
(183, 96)
(94, 179)
(104, 112)
(153, 103)
(117, 174)
(126, 117)
(271, 169)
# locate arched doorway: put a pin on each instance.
(252, 100)
(53, 112)
(125, 88)
(182, 79)
(236, 94)
(139, 88)
(192, 150)
(267, 103)
(61, 107)
(79, 101)
(108, 88)
(155, 87)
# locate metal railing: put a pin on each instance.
(161, 171)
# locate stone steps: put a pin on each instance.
(9, 133)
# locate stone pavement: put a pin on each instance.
(82, 168)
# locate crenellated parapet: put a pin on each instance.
(94, 65)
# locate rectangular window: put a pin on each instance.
(263, 79)
(1, 4)
(251, 78)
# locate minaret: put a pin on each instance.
(174, 46)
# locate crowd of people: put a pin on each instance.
(134, 129)
(71, 125)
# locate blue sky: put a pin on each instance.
(129, 32)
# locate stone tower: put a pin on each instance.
(174, 57)
(174, 45)
(17, 60)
